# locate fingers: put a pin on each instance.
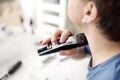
(65, 35)
(46, 41)
(62, 35)
(53, 38)
(68, 52)
(56, 35)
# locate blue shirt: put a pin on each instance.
(108, 70)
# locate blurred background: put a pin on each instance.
(23, 23)
(36, 16)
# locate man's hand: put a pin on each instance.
(62, 36)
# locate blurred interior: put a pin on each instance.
(23, 23)
(10, 12)
(19, 13)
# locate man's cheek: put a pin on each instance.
(69, 12)
(70, 15)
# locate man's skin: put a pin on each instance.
(85, 14)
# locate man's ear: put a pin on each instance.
(90, 12)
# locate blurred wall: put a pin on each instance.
(10, 12)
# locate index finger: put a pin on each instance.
(56, 35)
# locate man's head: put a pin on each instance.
(104, 14)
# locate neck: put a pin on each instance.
(101, 48)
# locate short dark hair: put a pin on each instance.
(109, 18)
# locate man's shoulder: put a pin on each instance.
(110, 69)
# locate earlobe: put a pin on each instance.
(85, 19)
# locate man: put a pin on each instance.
(99, 20)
